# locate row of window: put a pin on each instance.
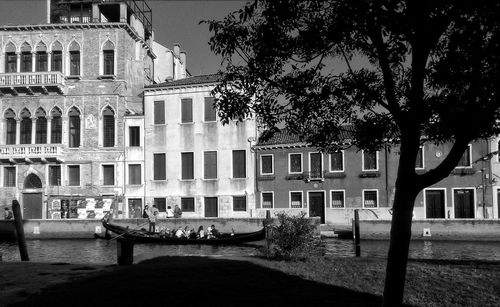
(209, 165)
(337, 199)
(209, 113)
(41, 123)
(295, 163)
(369, 162)
(187, 203)
(42, 60)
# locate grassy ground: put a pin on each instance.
(196, 281)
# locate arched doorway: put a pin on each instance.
(32, 197)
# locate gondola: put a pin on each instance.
(143, 236)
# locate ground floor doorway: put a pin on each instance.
(464, 203)
(435, 205)
(32, 205)
(317, 205)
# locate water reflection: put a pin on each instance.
(104, 252)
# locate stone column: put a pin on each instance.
(49, 61)
(95, 12)
(18, 55)
(123, 12)
(18, 130)
(33, 61)
(33, 130)
(49, 129)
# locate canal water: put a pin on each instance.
(104, 252)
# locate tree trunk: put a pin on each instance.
(404, 200)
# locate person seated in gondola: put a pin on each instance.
(179, 233)
(201, 232)
(187, 232)
(192, 234)
(215, 232)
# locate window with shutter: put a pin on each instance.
(295, 163)
(9, 176)
(108, 174)
(74, 59)
(10, 62)
(337, 161)
(55, 175)
(210, 111)
(11, 127)
(337, 199)
(210, 165)
(419, 163)
(465, 160)
(316, 165)
(266, 165)
(267, 200)
(26, 124)
(239, 164)
(74, 63)
(187, 164)
(74, 175)
(134, 136)
(56, 127)
(239, 203)
(56, 58)
(159, 167)
(295, 200)
(41, 127)
(370, 162)
(370, 198)
(186, 110)
(187, 204)
(134, 174)
(159, 111)
(108, 119)
(74, 127)
(161, 204)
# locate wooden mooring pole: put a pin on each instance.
(356, 235)
(18, 221)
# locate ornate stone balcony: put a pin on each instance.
(31, 153)
(30, 83)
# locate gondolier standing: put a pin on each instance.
(152, 218)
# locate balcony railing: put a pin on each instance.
(30, 151)
(31, 82)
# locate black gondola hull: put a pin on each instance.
(141, 236)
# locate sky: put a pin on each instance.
(173, 22)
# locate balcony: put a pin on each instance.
(30, 83)
(30, 153)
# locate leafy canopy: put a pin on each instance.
(385, 69)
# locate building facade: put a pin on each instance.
(70, 95)
(293, 176)
(192, 160)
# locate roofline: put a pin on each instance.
(67, 26)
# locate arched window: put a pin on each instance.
(10, 58)
(56, 64)
(108, 127)
(108, 55)
(41, 57)
(56, 126)
(26, 124)
(74, 59)
(26, 58)
(74, 127)
(10, 121)
(41, 127)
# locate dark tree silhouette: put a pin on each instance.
(402, 71)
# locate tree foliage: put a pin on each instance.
(389, 71)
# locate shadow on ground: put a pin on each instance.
(196, 281)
